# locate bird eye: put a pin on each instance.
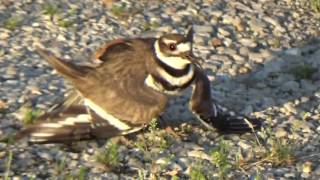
(173, 47)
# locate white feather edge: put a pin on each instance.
(106, 116)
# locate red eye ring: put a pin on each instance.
(172, 47)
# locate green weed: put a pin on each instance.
(118, 11)
(60, 167)
(315, 5)
(220, 159)
(109, 155)
(65, 23)
(31, 115)
(8, 166)
(12, 23)
(50, 9)
(197, 173)
(148, 26)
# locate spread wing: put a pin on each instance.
(115, 87)
(120, 80)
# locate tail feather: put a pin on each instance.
(72, 124)
(56, 132)
(69, 70)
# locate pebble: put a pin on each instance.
(307, 167)
(256, 57)
(224, 32)
(216, 42)
(256, 26)
(244, 145)
(281, 133)
(248, 42)
(203, 29)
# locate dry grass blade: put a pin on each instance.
(253, 131)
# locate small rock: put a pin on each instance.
(248, 42)
(162, 161)
(244, 145)
(281, 133)
(289, 107)
(224, 32)
(4, 35)
(203, 28)
(3, 105)
(133, 162)
(256, 26)
(244, 51)
(237, 57)
(257, 57)
(217, 13)
(199, 154)
(307, 167)
(216, 42)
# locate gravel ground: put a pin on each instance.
(262, 56)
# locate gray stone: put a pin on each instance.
(248, 42)
(203, 29)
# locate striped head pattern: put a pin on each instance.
(175, 50)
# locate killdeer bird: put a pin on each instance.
(129, 87)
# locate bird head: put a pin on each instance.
(175, 50)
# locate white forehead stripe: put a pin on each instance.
(168, 41)
(184, 47)
(175, 62)
(106, 116)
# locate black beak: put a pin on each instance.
(194, 60)
(189, 35)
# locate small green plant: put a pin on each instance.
(257, 176)
(174, 177)
(153, 126)
(315, 5)
(50, 9)
(65, 23)
(118, 11)
(12, 23)
(156, 138)
(281, 152)
(148, 26)
(82, 173)
(276, 43)
(8, 166)
(220, 158)
(197, 173)
(31, 115)
(303, 72)
(141, 145)
(60, 167)
(109, 155)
